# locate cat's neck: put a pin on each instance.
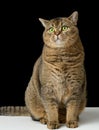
(63, 56)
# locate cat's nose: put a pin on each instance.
(56, 37)
(57, 33)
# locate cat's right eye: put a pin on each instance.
(51, 29)
(64, 28)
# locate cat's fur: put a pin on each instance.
(57, 89)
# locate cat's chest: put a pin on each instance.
(54, 81)
(59, 84)
(58, 77)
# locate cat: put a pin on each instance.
(56, 91)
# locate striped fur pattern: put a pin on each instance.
(56, 91)
(14, 111)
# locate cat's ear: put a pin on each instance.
(74, 17)
(44, 22)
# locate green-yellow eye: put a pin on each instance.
(51, 30)
(64, 28)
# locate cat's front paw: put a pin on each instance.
(52, 125)
(43, 120)
(72, 124)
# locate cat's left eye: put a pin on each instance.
(64, 28)
(51, 29)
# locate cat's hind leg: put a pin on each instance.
(34, 103)
(32, 95)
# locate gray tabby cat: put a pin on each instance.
(56, 91)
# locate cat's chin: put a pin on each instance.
(59, 43)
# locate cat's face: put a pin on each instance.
(60, 32)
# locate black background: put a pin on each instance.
(21, 44)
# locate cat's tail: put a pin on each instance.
(14, 111)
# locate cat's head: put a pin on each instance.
(60, 32)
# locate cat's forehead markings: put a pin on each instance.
(60, 21)
(56, 22)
